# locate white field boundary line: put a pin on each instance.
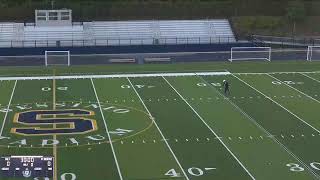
(310, 77)
(147, 74)
(5, 116)
(262, 128)
(107, 131)
(163, 137)
(289, 72)
(294, 89)
(113, 76)
(213, 132)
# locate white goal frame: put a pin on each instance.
(259, 49)
(310, 52)
(67, 54)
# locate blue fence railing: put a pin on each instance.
(115, 42)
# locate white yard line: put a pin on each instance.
(294, 89)
(5, 116)
(276, 103)
(262, 128)
(310, 77)
(163, 137)
(213, 132)
(107, 131)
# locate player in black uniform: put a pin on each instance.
(226, 86)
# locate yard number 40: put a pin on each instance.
(194, 171)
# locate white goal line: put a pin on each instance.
(115, 76)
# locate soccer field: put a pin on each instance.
(161, 126)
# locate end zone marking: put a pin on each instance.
(107, 131)
(213, 132)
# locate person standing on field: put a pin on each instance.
(226, 86)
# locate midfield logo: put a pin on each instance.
(74, 126)
(78, 124)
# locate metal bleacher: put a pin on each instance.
(48, 36)
(7, 33)
(102, 33)
(122, 32)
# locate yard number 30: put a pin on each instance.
(297, 168)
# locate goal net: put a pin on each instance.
(313, 53)
(250, 53)
(60, 58)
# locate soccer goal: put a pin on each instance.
(57, 58)
(313, 53)
(250, 53)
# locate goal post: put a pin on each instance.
(57, 58)
(250, 53)
(313, 53)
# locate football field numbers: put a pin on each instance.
(194, 171)
(285, 82)
(206, 84)
(47, 89)
(138, 86)
(297, 167)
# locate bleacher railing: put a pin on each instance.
(117, 42)
(286, 41)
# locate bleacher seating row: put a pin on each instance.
(119, 33)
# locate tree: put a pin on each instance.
(295, 13)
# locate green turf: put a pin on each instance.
(267, 125)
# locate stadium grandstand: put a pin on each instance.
(113, 33)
